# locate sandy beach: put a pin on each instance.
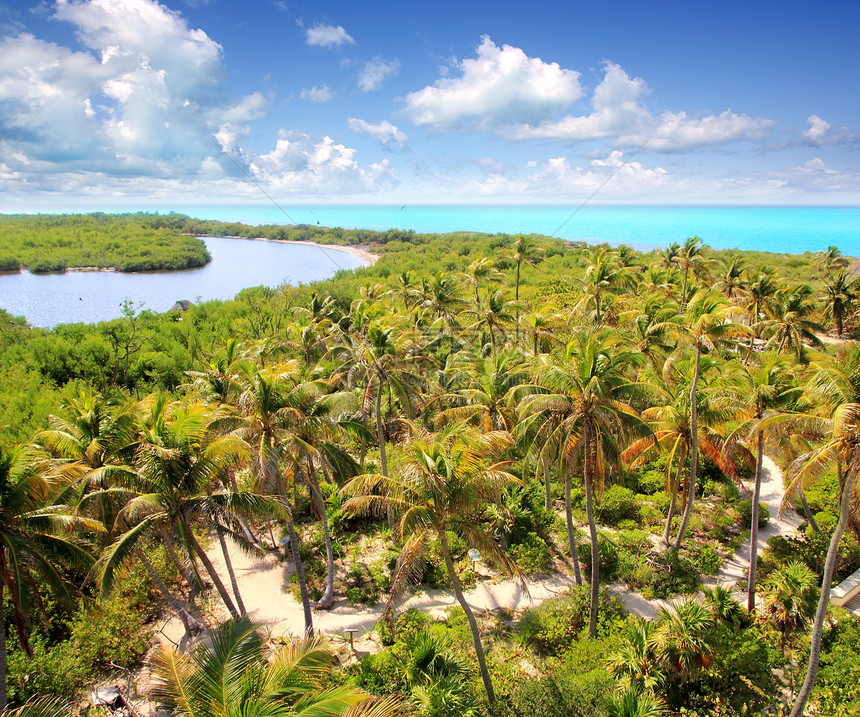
(362, 254)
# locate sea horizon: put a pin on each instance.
(776, 229)
(768, 228)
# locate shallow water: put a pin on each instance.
(50, 299)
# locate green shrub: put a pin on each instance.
(707, 560)
(532, 554)
(651, 481)
(744, 509)
(673, 574)
(616, 504)
(553, 626)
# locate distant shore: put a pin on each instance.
(356, 251)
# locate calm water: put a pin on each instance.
(48, 300)
(791, 230)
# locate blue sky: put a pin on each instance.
(136, 104)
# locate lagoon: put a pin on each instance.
(91, 296)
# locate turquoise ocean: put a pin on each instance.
(783, 230)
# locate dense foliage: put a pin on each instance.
(568, 409)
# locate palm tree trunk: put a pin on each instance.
(592, 528)
(473, 624)
(327, 600)
(3, 651)
(229, 563)
(189, 573)
(673, 493)
(694, 451)
(754, 526)
(827, 579)
(547, 488)
(810, 518)
(517, 298)
(300, 567)
(210, 568)
(571, 531)
(192, 625)
(380, 432)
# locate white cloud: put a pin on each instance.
(500, 86)
(620, 114)
(318, 94)
(385, 132)
(375, 72)
(321, 35)
(819, 133)
(302, 163)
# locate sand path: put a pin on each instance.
(262, 582)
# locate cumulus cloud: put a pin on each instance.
(385, 132)
(300, 162)
(620, 113)
(558, 177)
(375, 72)
(137, 104)
(820, 132)
(318, 94)
(500, 86)
(517, 97)
(321, 35)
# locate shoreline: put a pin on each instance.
(356, 251)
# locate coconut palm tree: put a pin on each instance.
(524, 250)
(790, 595)
(764, 396)
(577, 409)
(37, 540)
(493, 313)
(787, 324)
(843, 448)
(730, 280)
(444, 485)
(708, 327)
(839, 295)
(234, 673)
(603, 276)
(690, 258)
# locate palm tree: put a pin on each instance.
(525, 251)
(709, 328)
(671, 427)
(632, 703)
(36, 540)
(730, 282)
(831, 261)
(493, 313)
(840, 293)
(578, 410)
(443, 486)
(844, 449)
(233, 673)
(764, 394)
(790, 595)
(683, 638)
(604, 276)
(690, 257)
(264, 405)
(637, 660)
(787, 325)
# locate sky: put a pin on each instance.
(140, 104)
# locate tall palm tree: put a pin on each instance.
(264, 405)
(524, 251)
(443, 486)
(764, 396)
(839, 295)
(730, 280)
(708, 327)
(603, 276)
(579, 409)
(842, 448)
(790, 596)
(787, 325)
(493, 312)
(690, 258)
(233, 673)
(37, 539)
(671, 433)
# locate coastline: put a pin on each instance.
(358, 252)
